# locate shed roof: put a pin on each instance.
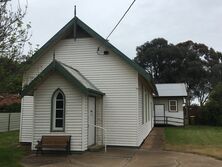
(8, 99)
(69, 73)
(171, 90)
(76, 21)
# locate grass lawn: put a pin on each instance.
(196, 139)
(10, 150)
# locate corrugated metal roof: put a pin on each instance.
(80, 77)
(171, 89)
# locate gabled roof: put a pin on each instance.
(69, 73)
(171, 90)
(76, 21)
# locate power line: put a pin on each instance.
(120, 19)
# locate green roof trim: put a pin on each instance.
(55, 66)
(76, 21)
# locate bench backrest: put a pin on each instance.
(55, 140)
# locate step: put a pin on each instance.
(95, 148)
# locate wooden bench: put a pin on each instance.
(54, 142)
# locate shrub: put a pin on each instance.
(211, 113)
(16, 107)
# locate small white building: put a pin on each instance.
(80, 84)
(169, 104)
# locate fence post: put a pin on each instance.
(9, 121)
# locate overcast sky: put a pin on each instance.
(174, 20)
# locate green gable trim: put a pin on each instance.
(55, 66)
(76, 21)
(59, 35)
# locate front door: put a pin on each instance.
(159, 114)
(91, 121)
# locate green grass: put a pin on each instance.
(196, 139)
(10, 150)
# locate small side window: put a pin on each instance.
(173, 105)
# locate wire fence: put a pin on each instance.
(9, 121)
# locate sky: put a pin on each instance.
(175, 20)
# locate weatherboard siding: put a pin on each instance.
(74, 104)
(26, 119)
(99, 121)
(143, 128)
(111, 75)
(84, 122)
(165, 101)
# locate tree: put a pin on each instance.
(212, 111)
(216, 74)
(11, 76)
(187, 62)
(11, 71)
(14, 33)
(207, 58)
(157, 57)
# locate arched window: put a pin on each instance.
(58, 111)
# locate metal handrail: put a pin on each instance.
(169, 117)
(166, 120)
(104, 130)
(174, 117)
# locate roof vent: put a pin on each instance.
(102, 51)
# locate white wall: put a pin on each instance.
(165, 102)
(111, 75)
(144, 128)
(26, 119)
(75, 112)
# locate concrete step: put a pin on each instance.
(95, 148)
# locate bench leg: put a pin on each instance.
(68, 150)
(38, 150)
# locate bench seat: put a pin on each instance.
(54, 142)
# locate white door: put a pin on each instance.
(91, 121)
(159, 114)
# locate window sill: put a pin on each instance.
(59, 131)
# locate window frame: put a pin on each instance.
(176, 105)
(53, 111)
(143, 105)
(149, 107)
(146, 105)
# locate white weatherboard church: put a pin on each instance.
(80, 85)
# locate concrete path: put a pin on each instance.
(155, 140)
(149, 155)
